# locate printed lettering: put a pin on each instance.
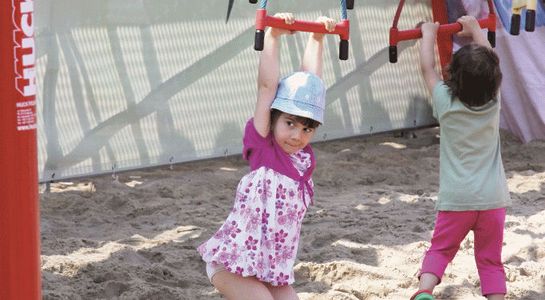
(24, 50)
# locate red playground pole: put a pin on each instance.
(19, 211)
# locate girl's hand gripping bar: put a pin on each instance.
(263, 20)
(397, 36)
(450, 29)
(349, 3)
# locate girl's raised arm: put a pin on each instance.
(268, 75)
(427, 54)
(313, 56)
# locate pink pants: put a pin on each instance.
(451, 227)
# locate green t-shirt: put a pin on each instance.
(471, 169)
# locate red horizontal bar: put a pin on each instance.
(411, 34)
(342, 28)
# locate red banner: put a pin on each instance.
(19, 211)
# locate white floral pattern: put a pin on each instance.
(261, 234)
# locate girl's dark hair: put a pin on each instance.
(474, 75)
(310, 123)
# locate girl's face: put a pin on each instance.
(291, 135)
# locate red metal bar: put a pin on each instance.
(19, 216)
(263, 20)
(447, 29)
(444, 39)
(398, 13)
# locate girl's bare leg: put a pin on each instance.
(428, 281)
(283, 292)
(236, 287)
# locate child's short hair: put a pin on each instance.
(308, 122)
(474, 75)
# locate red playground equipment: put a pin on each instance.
(444, 34)
(20, 276)
(263, 20)
(349, 3)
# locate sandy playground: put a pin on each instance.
(135, 237)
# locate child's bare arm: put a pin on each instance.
(471, 28)
(268, 75)
(312, 58)
(427, 54)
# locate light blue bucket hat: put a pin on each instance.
(301, 94)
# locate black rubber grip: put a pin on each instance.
(259, 40)
(343, 50)
(515, 25)
(253, 1)
(492, 38)
(393, 54)
(349, 4)
(530, 20)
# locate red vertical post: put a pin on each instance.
(19, 210)
(444, 41)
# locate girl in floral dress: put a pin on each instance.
(252, 254)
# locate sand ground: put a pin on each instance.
(134, 236)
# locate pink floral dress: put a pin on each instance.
(261, 234)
